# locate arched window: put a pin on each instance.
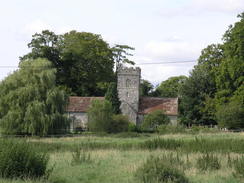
(128, 83)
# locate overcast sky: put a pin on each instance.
(159, 30)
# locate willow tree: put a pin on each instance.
(30, 102)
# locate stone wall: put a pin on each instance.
(79, 120)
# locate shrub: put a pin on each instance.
(208, 162)
(231, 115)
(238, 165)
(132, 127)
(120, 123)
(21, 160)
(157, 170)
(100, 116)
(155, 119)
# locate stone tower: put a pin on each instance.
(128, 91)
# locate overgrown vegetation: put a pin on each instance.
(208, 162)
(154, 119)
(102, 119)
(30, 101)
(22, 160)
(157, 170)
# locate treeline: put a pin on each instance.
(213, 94)
(33, 99)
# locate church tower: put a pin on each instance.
(128, 91)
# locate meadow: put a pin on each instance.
(105, 158)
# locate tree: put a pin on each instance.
(155, 119)
(170, 87)
(231, 115)
(231, 72)
(193, 93)
(30, 102)
(112, 96)
(120, 54)
(87, 62)
(145, 88)
(100, 116)
(84, 61)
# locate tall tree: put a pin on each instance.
(170, 87)
(112, 96)
(230, 77)
(120, 55)
(84, 61)
(30, 102)
(145, 88)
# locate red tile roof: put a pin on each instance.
(147, 104)
(150, 104)
(80, 104)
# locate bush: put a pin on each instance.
(157, 170)
(100, 116)
(132, 127)
(120, 123)
(208, 162)
(231, 115)
(155, 119)
(21, 160)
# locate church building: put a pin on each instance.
(132, 105)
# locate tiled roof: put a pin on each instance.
(150, 104)
(80, 104)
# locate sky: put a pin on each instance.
(159, 30)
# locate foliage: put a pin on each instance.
(145, 88)
(154, 119)
(120, 123)
(120, 55)
(195, 90)
(231, 115)
(84, 61)
(170, 87)
(208, 162)
(30, 102)
(132, 127)
(156, 170)
(112, 96)
(231, 71)
(216, 81)
(21, 160)
(100, 116)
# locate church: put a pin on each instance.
(132, 105)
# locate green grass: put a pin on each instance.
(116, 159)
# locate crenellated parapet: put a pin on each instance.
(130, 71)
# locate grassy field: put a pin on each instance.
(115, 158)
